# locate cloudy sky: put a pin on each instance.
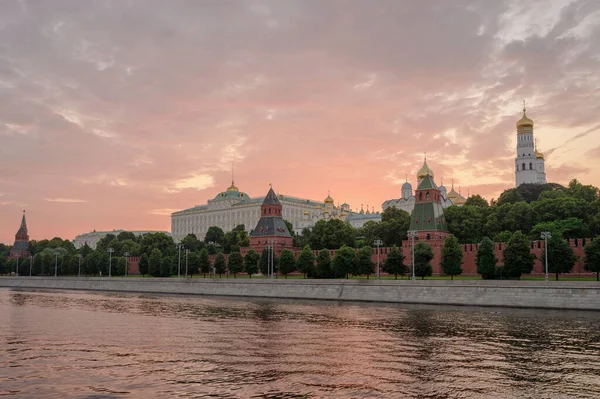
(115, 113)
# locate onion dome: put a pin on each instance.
(306, 213)
(328, 200)
(460, 200)
(524, 121)
(343, 214)
(453, 195)
(424, 171)
(406, 186)
(538, 155)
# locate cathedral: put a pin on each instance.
(529, 163)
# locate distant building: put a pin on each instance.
(92, 238)
(20, 248)
(233, 207)
(271, 230)
(529, 163)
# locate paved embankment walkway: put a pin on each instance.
(581, 295)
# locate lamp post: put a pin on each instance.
(378, 243)
(545, 236)
(412, 234)
(55, 265)
(187, 251)
(179, 246)
(126, 254)
(31, 264)
(110, 252)
(79, 271)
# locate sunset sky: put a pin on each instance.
(113, 114)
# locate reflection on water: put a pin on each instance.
(97, 345)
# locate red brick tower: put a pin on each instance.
(271, 228)
(21, 246)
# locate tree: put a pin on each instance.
(265, 259)
(476, 200)
(287, 262)
(306, 261)
(235, 263)
(323, 268)
(331, 234)
(518, 258)
(214, 234)
(531, 192)
(509, 196)
(503, 236)
(343, 262)
(364, 262)
(160, 241)
(561, 257)
(167, 265)
(290, 227)
(11, 265)
(220, 264)
(452, 257)
(103, 243)
(144, 264)
(591, 262)
(486, 259)
(193, 260)
(236, 238)
(394, 226)
(126, 235)
(119, 269)
(465, 222)
(2, 265)
(587, 193)
(394, 263)
(423, 257)
(251, 263)
(155, 263)
(204, 262)
(192, 243)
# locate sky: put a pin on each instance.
(115, 113)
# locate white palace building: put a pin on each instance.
(233, 207)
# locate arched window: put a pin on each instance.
(420, 196)
(427, 195)
(530, 166)
(523, 166)
(428, 236)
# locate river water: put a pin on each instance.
(102, 345)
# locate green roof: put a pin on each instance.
(427, 183)
(428, 216)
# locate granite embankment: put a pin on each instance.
(581, 295)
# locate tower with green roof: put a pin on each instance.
(427, 217)
(271, 228)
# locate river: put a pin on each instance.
(59, 344)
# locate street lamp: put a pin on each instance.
(79, 271)
(126, 254)
(179, 246)
(187, 251)
(110, 252)
(31, 264)
(378, 243)
(412, 234)
(545, 236)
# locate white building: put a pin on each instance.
(529, 163)
(407, 201)
(233, 207)
(92, 238)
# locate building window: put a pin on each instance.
(523, 166)
(530, 166)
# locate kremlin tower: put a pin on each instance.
(21, 247)
(271, 228)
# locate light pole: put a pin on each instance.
(378, 243)
(55, 265)
(31, 264)
(412, 234)
(187, 251)
(126, 254)
(179, 246)
(545, 236)
(110, 252)
(79, 271)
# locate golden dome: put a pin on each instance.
(538, 155)
(524, 121)
(424, 171)
(452, 195)
(306, 213)
(328, 200)
(460, 200)
(232, 187)
(343, 214)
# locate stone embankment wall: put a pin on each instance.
(583, 295)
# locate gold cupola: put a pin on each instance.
(424, 171)
(328, 200)
(524, 121)
(232, 187)
(538, 155)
